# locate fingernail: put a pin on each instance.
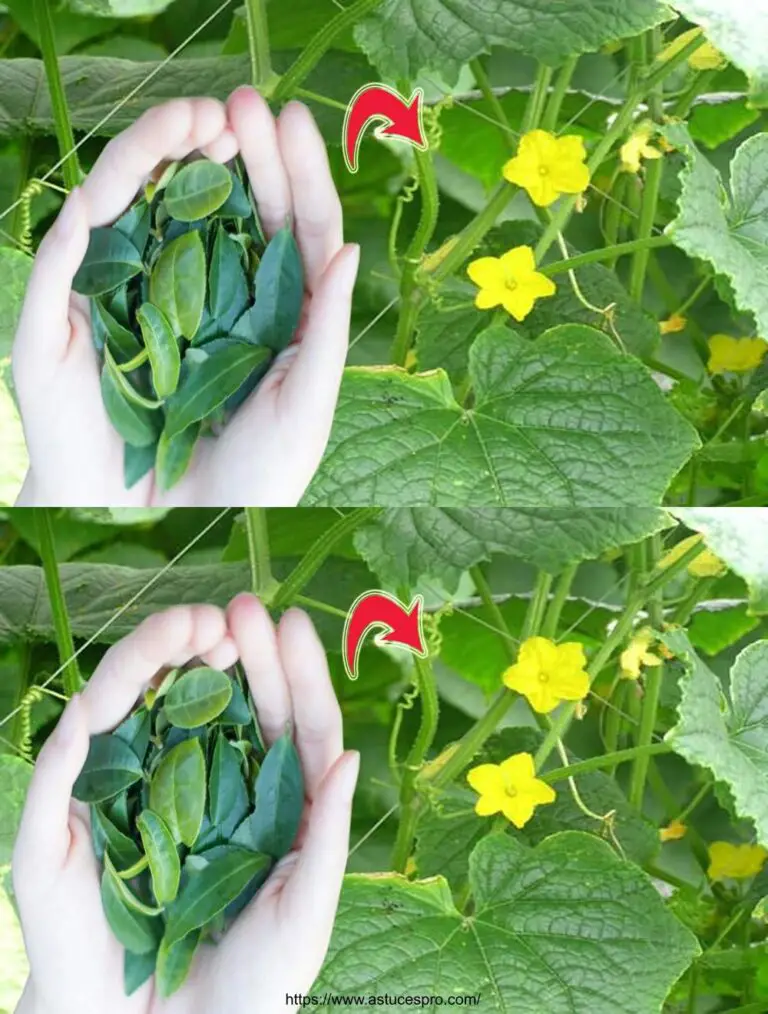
(348, 777)
(66, 224)
(69, 722)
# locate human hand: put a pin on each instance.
(269, 452)
(278, 943)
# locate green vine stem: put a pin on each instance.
(537, 606)
(61, 118)
(657, 580)
(653, 680)
(257, 534)
(258, 44)
(410, 293)
(484, 84)
(537, 99)
(652, 184)
(409, 800)
(64, 641)
(557, 97)
(319, 45)
(642, 244)
(318, 553)
(555, 608)
(486, 596)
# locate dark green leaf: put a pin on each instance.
(108, 330)
(163, 348)
(211, 890)
(177, 283)
(198, 190)
(174, 962)
(197, 697)
(135, 731)
(273, 825)
(135, 224)
(275, 315)
(237, 711)
(122, 849)
(228, 792)
(136, 424)
(209, 382)
(137, 462)
(110, 260)
(228, 286)
(177, 790)
(237, 205)
(136, 932)
(137, 969)
(174, 455)
(110, 767)
(160, 850)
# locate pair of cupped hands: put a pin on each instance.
(271, 449)
(277, 944)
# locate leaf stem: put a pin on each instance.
(555, 608)
(409, 800)
(484, 591)
(606, 253)
(318, 553)
(537, 99)
(257, 534)
(319, 45)
(410, 293)
(560, 90)
(484, 84)
(61, 117)
(537, 606)
(605, 760)
(258, 43)
(64, 640)
(653, 679)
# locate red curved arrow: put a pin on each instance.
(402, 119)
(379, 609)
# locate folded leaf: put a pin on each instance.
(136, 932)
(110, 767)
(110, 260)
(226, 786)
(177, 790)
(163, 348)
(160, 849)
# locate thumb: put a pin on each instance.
(43, 333)
(315, 882)
(43, 841)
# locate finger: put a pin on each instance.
(311, 386)
(314, 883)
(43, 840)
(170, 131)
(223, 149)
(254, 126)
(254, 634)
(316, 206)
(223, 655)
(44, 330)
(316, 711)
(171, 638)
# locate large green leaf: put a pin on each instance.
(407, 543)
(739, 536)
(110, 767)
(566, 928)
(177, 790)
(15, 775)
(739, 31)
(15, 269)
(403, 37)
(730, 737)
(564, 421)
(96, 88)
(731, 232)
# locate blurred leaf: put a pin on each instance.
(15, 269)
(716, 123)
(15, 775)
(715, 630)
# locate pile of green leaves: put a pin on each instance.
(189, 306)
(188, 814)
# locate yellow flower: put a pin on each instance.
(636, 654)
(548, 673)
(548, 166)
(511, 281)
(511, 788)
(706, 564)
(673, 831)
(736, 862)
(734, 355)
(673, 324)
(638, 147)
(706, 57)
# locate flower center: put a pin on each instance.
(543, 170)
(510, 790)
(510, 282)
(543, 677)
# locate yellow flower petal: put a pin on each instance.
(518, 809)
(707, 57)
(486, 806)
(675, 830)
(571, 654)
(518, 302)
(734, 355)
(486, 299)
(570, 177)
(485, 778)
(486, 272)
(539, 144)
(518, 768)
(673, 324)
(571, 147)
(540, 286)
(541, 793)
(570, 685)
(736, 862)
(518, 261)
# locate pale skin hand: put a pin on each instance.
(278, 943)
(272, 447)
